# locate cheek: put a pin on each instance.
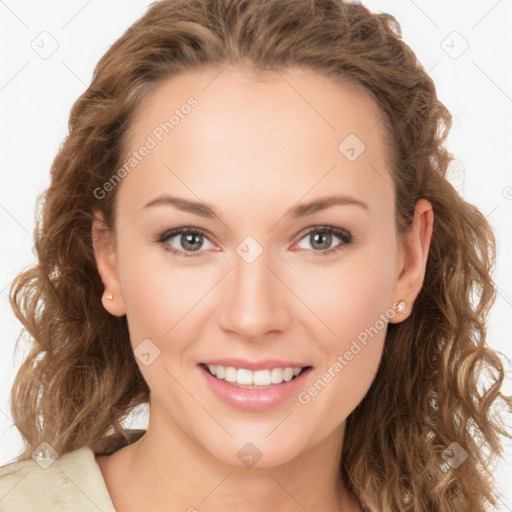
(352, 295)
(353, 303)
(160, 303)
(158, 296)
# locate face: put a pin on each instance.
(223, 258)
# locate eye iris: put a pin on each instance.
(326, 242)
(189, 241)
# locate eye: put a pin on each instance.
(190, 240)
(321, 238)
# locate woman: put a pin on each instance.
(250, 228)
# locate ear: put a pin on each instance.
(105, 255)
(413, 260)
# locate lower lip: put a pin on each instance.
(253, 399)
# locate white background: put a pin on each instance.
(36, 94)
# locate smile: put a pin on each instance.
(254, 390)
(253, 379)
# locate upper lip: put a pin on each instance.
(265, 364)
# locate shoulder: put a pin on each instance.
(72, 482)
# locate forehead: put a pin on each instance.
(289, 131)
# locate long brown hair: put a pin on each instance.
(80, 380)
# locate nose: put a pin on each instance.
(255, 299)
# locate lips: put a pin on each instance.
(254, 397)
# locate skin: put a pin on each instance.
(254, 147)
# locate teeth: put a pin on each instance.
(246, 377)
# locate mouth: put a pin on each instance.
(264, 378)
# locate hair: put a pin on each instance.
(79, 382)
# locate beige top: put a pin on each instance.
(71, 483)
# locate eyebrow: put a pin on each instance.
(301, 210)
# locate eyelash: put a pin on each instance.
(343, 234)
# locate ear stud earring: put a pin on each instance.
(401, 306)
(108, 296)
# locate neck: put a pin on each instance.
(166, 470)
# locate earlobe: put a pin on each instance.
(416, 246)
(105, 255)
